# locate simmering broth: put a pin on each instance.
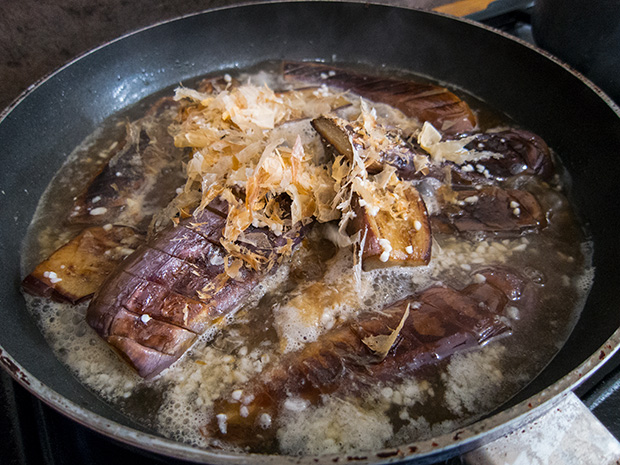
(317, 289)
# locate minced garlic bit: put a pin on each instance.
(98, 211)
(52, 276)
(222, 422)
(512, 312)
(296, 404)
(387, 248)
(264, 421)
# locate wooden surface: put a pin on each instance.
(463, 7)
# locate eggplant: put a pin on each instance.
(175, 287)
(523, 152)
(76, 270)
(140, 177)
(490, 210)
(390, 240)
(390, 345)
(425, 102)
(390, 148)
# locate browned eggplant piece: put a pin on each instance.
(490, 210)
(76, 270)
(390, 148)
(378, 346)
(523, 152)
(390, 238)
(174, 288)
(426, 102)
(140, 177)
(393, 241)
(337, 132)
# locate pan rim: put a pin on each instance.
(466, 438)
(249, 3)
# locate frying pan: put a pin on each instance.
(539, 93)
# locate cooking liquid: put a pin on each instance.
(319, 281)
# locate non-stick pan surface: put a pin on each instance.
(42, 128)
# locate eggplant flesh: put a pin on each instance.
(434, 324)
(76, 270)
(409, 238)
(173, 289)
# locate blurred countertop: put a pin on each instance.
(38, 37)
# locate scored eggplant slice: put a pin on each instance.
(391, 240)
(375, 347)
(523, 152)
(174, 288)
(76, 270)
(426, 102)
(490, 210)
(141, 176)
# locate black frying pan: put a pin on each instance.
(42, 128)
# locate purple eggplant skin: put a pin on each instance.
(490, 210)
(523, 152)
(144, 168)
(171, 290)
(425, 102)
(441, 322)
